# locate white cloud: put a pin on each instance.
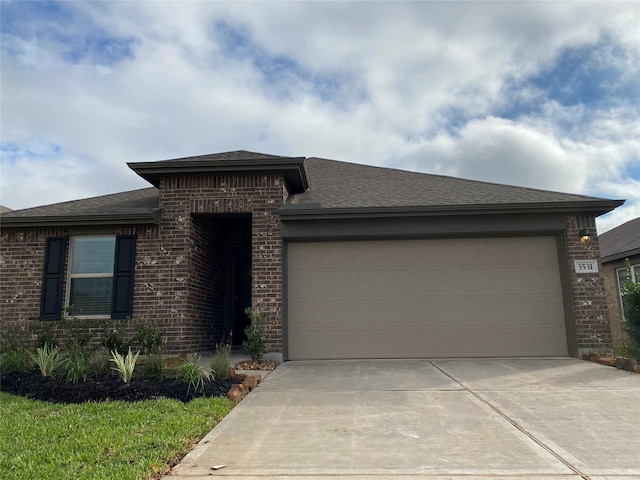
(416, 84)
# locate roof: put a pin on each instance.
(136, 206)
(292, 169)
(620, 242)
(324, 188)
(344, 187)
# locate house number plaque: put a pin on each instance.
(586, 266)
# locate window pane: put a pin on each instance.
(622, 277)
(91, 296)
(93, 254)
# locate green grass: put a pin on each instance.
(40, 440)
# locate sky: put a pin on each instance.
(542, 94)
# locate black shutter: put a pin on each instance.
(123, 271)
(52, 278)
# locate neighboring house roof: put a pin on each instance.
(318, 187)
(620, 242)
(4, 209)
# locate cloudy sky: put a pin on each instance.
(545, 95)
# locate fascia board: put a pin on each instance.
(82, 220)
(294, 212)
(293, 169)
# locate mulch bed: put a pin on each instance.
(104, 388)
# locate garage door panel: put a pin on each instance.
(421, 298)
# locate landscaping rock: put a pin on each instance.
(620, 363)
(609, 361)
(630, 364)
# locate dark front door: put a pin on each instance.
(240, 297)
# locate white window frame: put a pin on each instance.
(71, 275)
(635, 276)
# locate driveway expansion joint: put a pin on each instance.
(494, 407)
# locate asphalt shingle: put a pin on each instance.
(620, 240)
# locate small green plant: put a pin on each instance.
(193, 374)
(124, 364)
(100, 363)
(49, 359)
(78, 365)
(149, 337)
(255, 344)
(631, 301)
(15, 361)
(221, 361)
(113, 337)
(153, 367)
(13, 355)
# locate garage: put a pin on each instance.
(465, 297)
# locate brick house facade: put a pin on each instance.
(209, 241)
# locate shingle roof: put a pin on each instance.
(136, 204)
(622, 241)
(333, 186)
(337, 184)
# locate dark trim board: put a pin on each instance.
(422, 227)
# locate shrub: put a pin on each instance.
(113, 339)
(149, 337)
(193, 374)
(43, 331)
(49, 359)
(77, 333)
(221, 361)
(255, 345)
(631, 300)
(124, 365)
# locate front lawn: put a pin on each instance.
(122, 440)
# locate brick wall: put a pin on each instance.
(21, 264)
(589, 298)
(178, 280)
(258, 195)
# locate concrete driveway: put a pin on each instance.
(556, 418)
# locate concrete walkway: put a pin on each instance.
(552, 419)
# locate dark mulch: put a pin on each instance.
(104, 388)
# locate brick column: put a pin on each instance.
(589, 297)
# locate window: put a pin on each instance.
(622, 277)
(99, 273)
(91, 275)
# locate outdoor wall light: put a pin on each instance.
(586, 234)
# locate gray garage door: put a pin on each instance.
(424, 298)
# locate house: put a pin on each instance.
(616, 246)
(345, 260)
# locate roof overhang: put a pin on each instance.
(315, 211)
(621, 255)
(143, 218)
(293, 169)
